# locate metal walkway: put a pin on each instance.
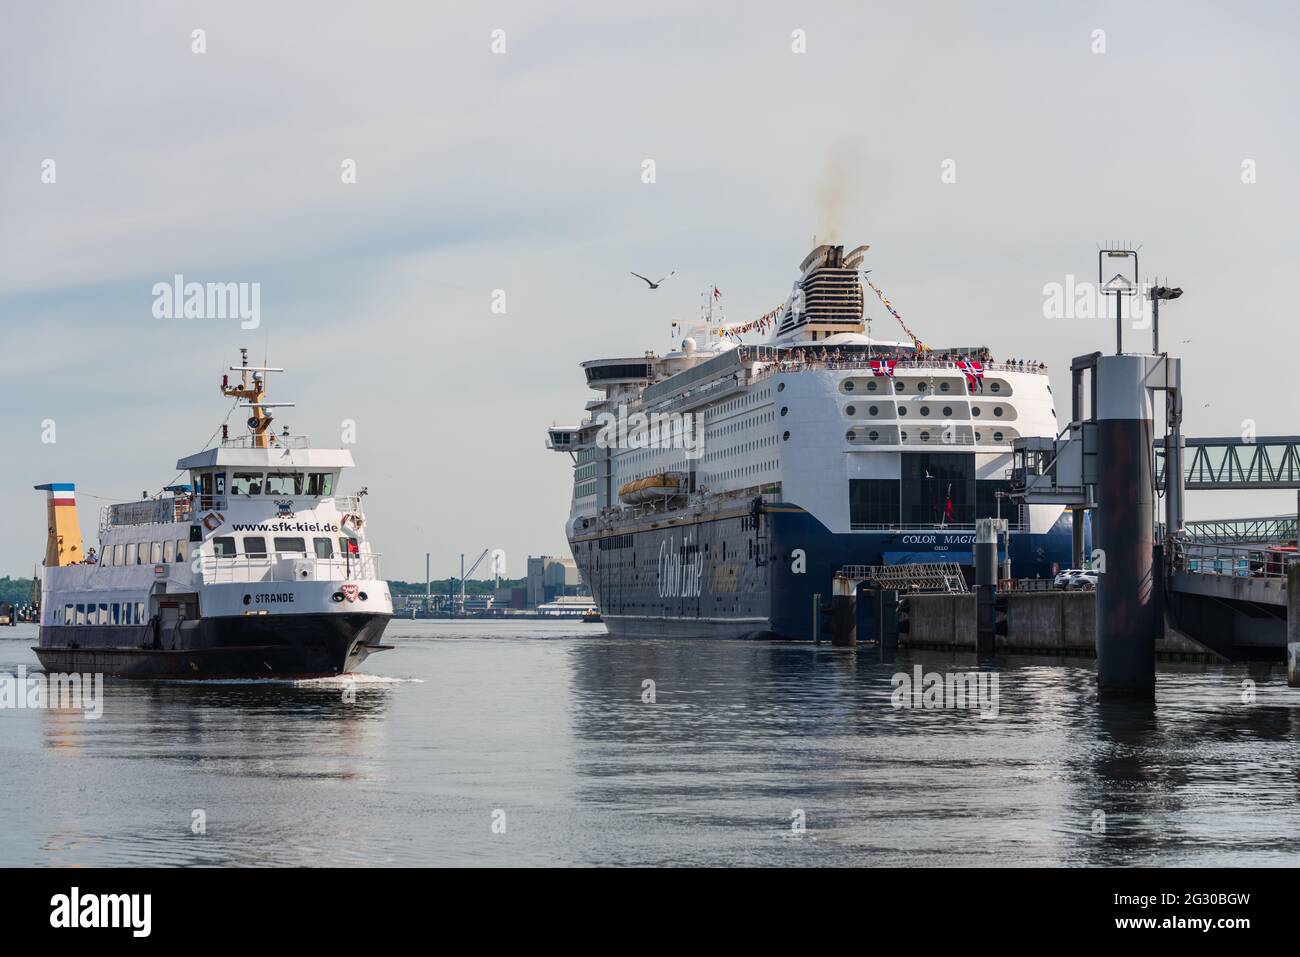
(1267, 461)
(925, 577)
(1276, 529)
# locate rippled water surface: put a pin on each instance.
(542, 726)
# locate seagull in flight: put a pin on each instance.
(654, 285)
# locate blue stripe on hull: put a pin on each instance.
(734, 595)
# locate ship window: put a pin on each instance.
(103, 613)
(139, 613)
(254, 546)
(246, 483)
(871, 387)
(873, 501)
(69, 614)
(155, 553)
(182, 550)
(975, 410)
(127, 616)
(169, 552)
(873, 435)
(324, 547)
(850, 435)
(851, 410)
(119, 557)
(902, 410)
(223, 546)
(348, 546)
(998, 411)
(920, 387)
(117, 613)
(283, 483)
(995, 387)
(320, 484)
(291, 545)
(786, 437)
(925, 410)
(81, 614)
(944, 386)
(997, 436)
(142, 553)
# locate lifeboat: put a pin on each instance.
(653, 488)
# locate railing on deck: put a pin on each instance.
(275, 442)
(288, 567)
(1234, 560)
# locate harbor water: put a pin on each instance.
(545, 743)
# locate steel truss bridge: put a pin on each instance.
(1265, 462)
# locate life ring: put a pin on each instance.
(212, 521)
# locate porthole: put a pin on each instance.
(871, 387)
(902, 436)
(925, 436)
(785, 437)
(995, 386)
(850, 435)
(780, 387)
(851, 410)
(997, 436)
(784, 409)
(997, 411)
(875, 410)
(945, 386)
(925, 410)
(873, 435)
(848, 385)
(902, 411)
(900, 385)
(977, 437)
(921, 387)
(947, 412)
(975, 410)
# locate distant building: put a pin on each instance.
(550, 578)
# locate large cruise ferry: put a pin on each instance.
(256, 567)
(719, 487)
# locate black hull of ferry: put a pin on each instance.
(264, 646)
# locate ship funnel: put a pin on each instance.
(63, 541)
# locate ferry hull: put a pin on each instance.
(262, 646)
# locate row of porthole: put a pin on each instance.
(900, 385)
(874, 436)
(925, 410)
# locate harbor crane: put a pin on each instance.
(465, 574)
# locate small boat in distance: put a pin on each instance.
(255, 568)
(592, 617)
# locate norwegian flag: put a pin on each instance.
(883, 367)
(974, 373)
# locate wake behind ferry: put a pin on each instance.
(787, 462)
(255, 568)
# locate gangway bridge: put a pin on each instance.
(1220, 582)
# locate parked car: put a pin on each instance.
(1063, 579)
(1085, 580)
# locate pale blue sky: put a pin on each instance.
(522, 172)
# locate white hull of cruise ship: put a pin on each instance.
(818, 450)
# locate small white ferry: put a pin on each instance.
(256, 567)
